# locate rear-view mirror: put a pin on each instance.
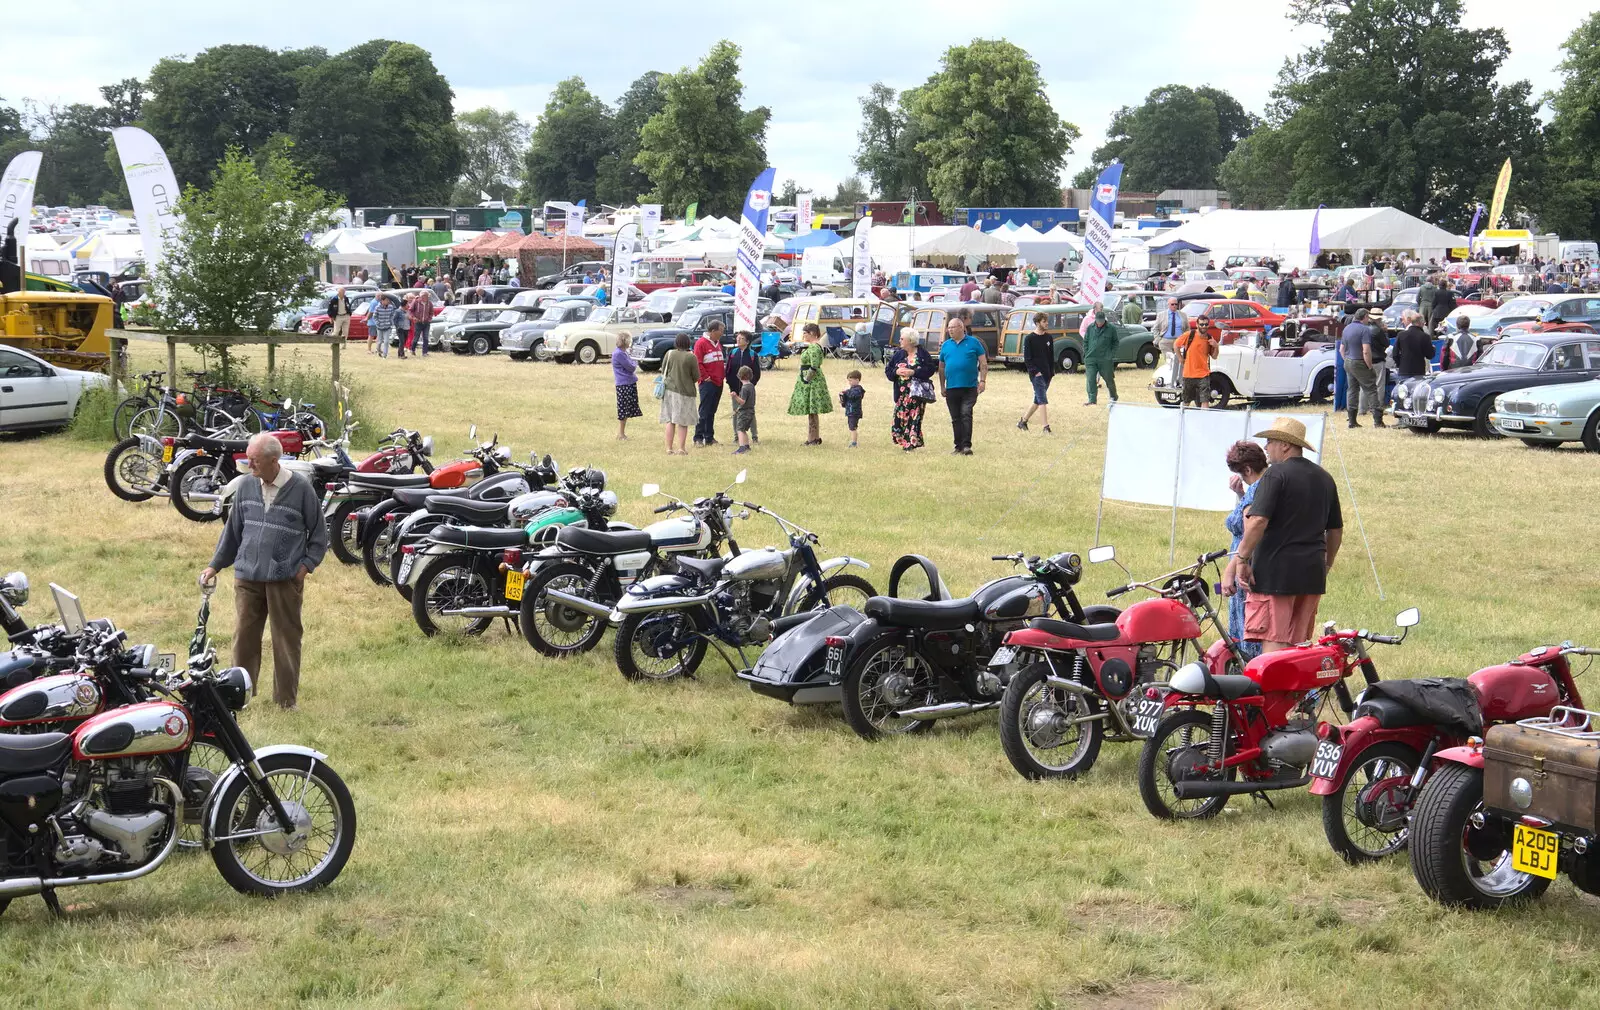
(1408, 618)
(650, 490)
(472, 433)
(1101, 554)
(741, 476)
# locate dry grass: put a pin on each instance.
(545, 835)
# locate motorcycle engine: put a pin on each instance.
(119, 821)
(745, 603)
(1290, 748)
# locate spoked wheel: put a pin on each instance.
(256, 855)
(122, 417)
(447, 583)
(1180, 744)
(1456, 862)
(553, 628)
(377, 552)
(662, 645)
(206, 765)
(1049, 732)
(344, 532)
(1365, 819)
(158, 422)
(132, 472)
(840, 590)
(196, 488)
(886, 678)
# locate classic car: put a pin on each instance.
(651, 346)
(447, 326)
(361, 302)
(1464, 397)
(1233, 314)
(1257, 367)
(930, 321)
(523, 334)
(1578, 308)
(1135, 344)
(589, 340)
(1151, 303)
(1527, 329)
(36, 394)
(1548, 415)
(573, 272)
(666, 304)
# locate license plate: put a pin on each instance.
(1413, 421)
(1003, 656)
(166, 454)
(167, 661)
(514, 581)
(1535, 851)
(405, 568)
(835, 661)
(1512, 423)
(1325, 763)
(1147, 716)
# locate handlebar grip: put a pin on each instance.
(1117, 591)
(663, 508)
(1384, 639)
(1206, 559)
(999, 557)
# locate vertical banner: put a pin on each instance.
(1097, 239)
(152, 187)
(16, 193)
(649, 219)
(802, 215)
(622, 262)
(861, 268)
(1316, 234)
(1497, 207)
(1472, 229)
(752, 243)
(575, 221)
(691, 213)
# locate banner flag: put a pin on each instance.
(802, 215)
(1500, 186)
(752, 244)
(861, 271)
(16, 193)
(1316, 232)
(152, 187)
(692, 213)
(649, 219)
(1097, 239)
(1472, 229)
(575, 221)
(622, 262)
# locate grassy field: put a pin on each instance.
(535, 834)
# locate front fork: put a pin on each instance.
(242, 754)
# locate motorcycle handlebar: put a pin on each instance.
(1003, 557)
(1110, 593)
(665, 508)
(1384, 639)
(1206, 559)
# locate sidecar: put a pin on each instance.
(794, 668)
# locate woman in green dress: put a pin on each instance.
(810, 396)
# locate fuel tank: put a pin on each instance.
(764, 565)
(50, 699)
(679, 533)
(1295, 669)
(1158, 620)
(1510, 691)
(1012, 598)
(151, 727)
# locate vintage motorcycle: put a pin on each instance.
(36, 651)
(103, 804)
(1079, 685)
(1261, 732)
(664, 623)
(1370, 770)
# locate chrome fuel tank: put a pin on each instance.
(765, 565)
(152, 727)
(50, 699)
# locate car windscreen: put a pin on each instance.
(1515, 354)
(453, 315)
(552, 312)
(1524, 306)
(509, 316)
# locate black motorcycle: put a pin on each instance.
(912, 662)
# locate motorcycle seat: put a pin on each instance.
(417, 497)
(1082, 632)
(218, 446)
(1230, 687)
(923, 613)
(388, 481)
(705, 569)
(1390, 713)
(481, 537)
(481, 513)
(21, 753)
(577, 538)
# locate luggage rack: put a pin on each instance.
(1568, 721)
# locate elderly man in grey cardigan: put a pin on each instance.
(274, 537)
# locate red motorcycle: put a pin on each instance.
(1261, 730)
(1077, 683)
(1370, 771)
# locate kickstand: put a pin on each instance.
(49, 896)
(1264, 798)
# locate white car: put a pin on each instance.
(35, 394)
(589, 340)
(1252, 368)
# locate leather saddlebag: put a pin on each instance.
(1563, 771)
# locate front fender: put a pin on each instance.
(1467, 755)
(804, 584)
(209, 814)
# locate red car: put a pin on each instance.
(319, 322)
(1235, 314)
(1524, 329)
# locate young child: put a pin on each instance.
(850, 399)
(744, 409)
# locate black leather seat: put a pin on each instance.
(1230, 687)
(923, 613)
(417, 497)
(389, 480)
(1082, 632)
(486, 538)
(479, 513)
(1391, 714)
(21, 753)
(705, 569)
(219, 446)
(577, 538)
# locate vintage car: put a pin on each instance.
(1151, 303)
(1548, 415)
(521, 329)
(1135, 344)
(650, 347)
(1465, 397)
(362, 303)
(985, 323)
(589, 340)
(666, 304)
(448, 325)
(1233, 314)
(1578, 308)
(1282, 367)
(1528, 329)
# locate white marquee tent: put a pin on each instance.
(1043, 249)
(1286, 234)
(895, 247)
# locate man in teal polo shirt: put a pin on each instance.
(963, 370)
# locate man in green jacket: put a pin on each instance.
(1100, 356)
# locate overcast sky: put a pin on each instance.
(809, 67)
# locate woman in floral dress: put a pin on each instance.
(907, 363)
(810, 398)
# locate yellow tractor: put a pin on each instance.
(62, 326)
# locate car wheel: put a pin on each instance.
(1591, 433)
(541, 352)
(1069, 360)
(480, 344)
(588, 353)
(324, 329)
(1221, 391)
(1480, 424)
(1148, 356)
(1322, 386)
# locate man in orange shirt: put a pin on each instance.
(1196, 348)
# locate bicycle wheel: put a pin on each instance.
(157, 422)
(124, 414)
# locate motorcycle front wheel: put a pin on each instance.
(885, 678)
(1456, 863)
(552, 628)
(660, 645)
(207, 763)
(1049, 732)
(378, 555)
(1365, 818)
(450, 582)
(838, 590)
(1181, 742)
(252, 851)
(197, 475)
(132, 473)
(343, 534)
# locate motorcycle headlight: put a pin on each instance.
(234, 685)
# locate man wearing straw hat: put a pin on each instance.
(1292, 533)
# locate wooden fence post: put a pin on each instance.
(172, 361)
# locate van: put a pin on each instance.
(1580, 251)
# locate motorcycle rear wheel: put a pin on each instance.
(130, 469)
(1388, 764)
(377, 553)
(1192, 730)
(866, 709)
(200, 475)
(271, 864)
(342, 533)
(1028, 733)
(553, 629)
(641, 638)
(1442, 837)
(449, 582)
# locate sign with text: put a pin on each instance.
(752, 243)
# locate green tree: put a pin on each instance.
(702, 146)
(790, 193)
(239, 256)
(620, 180)
(569, 141)
(492, 143)
(1572, 204)
(851, 191)
(887, 144)
(124, 101)
(76, 169)
(1257, 172)
(988, 133)
(1175, 139)
(1234, 123)
(227, 96)
(10, 124)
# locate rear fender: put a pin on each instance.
(1471, 757)
(372, 520)
(1356, 738)
(865, 634)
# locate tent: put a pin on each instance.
(812, 240)
(1285, 235)
(348, 251)
(1174, 248)
(896, 247)
(575, 247)
(478, 245)
(1045, 249)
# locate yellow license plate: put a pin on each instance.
(514, 581)
(1534, 851)
(166, 454)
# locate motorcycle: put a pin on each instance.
(912, 662)
(139, 467)
(573, 585)
(36, 651)
(102, 803)
(196, 482)
(1261, 732)
(665, 622)
(1370, 771)
(400, 453)
(1077, 686)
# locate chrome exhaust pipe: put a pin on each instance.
(16, 887)
(626, 606)
(479, 612)
(579, 604)
(1200, 788)
(945, 710)
(1068, 685)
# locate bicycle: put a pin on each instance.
(149, 411)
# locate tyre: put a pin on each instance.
(123, 415)
(273, 863)
(158, 422)
(1591, 433)
(207, 763)
(325, 330)
(1069, 360)
(451, 582)
(1365, 818)
(1322, 386)
(131, 470)
(1480, 421)
(661, 645)
(542, 353)
(1221, 391)
(1147, 356)
(1456, 863)
(343, 530)
(377, 553)
(551, 628)
(517, 355)
(885, 678)
(1040, 727)
(846, 590)
(588, 353)
(480, 345)
(194, 477)
(1179, 743)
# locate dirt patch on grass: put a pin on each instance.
(692, 896)
(1112, 911)
(1143, 994)
(1330, 911)
(216, 952)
